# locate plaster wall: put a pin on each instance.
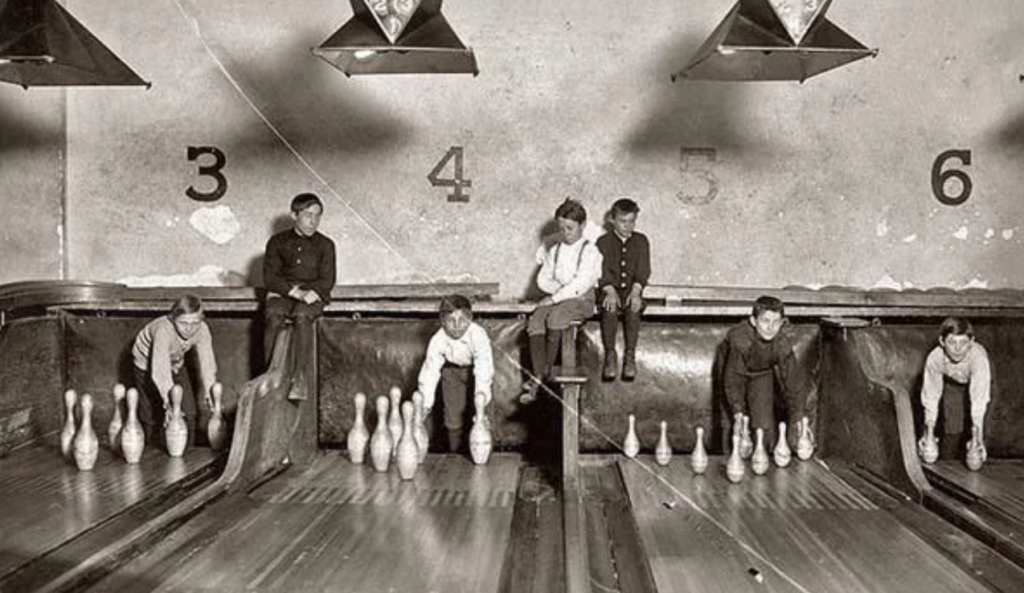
(31, 183)
(825, 182)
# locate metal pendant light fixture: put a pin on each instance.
(41, 44)
(397, 37)
(774, 40)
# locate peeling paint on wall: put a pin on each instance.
(218, 223)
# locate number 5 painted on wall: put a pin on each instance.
(213, 170)
(693, 168)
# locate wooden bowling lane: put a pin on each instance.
(989, 504)
(48, 502)
(336, 526)
(799, 529)
(999, 484)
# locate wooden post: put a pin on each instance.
(571, 379)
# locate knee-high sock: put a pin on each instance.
(554, 341)
(538, 355)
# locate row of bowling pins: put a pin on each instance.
(126, 434)
(402, 436)
(928, 448)
(743, 447)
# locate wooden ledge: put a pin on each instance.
(569, 375)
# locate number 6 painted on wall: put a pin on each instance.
(213, 170)
(940, 177)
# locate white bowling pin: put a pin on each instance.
(480, 439)
(927, 447)
(976, 453)
(419, 425)
(805, 442)
(746, 443)
(699, 457)
(759, 459)
(358, 435)
(86, 444)
(407, 453)
(175, 429)
(216, 426)
(380, 442)
(395, 419)
(67, 435)
(116, 422)
(663, 451)
(133, 439)
(734, 468)
(631, 445)
(782, 453)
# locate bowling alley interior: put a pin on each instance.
(512, 297)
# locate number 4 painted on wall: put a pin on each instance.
(456, 181)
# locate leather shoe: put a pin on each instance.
(611, 366)
(629, 366)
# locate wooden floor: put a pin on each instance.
(799, 529)
(343, 527)
(1000, 483)
(48, 502)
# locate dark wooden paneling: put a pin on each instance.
(31, 382)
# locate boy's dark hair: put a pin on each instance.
(188, 303)
(625, 206)
(572, 210)
(305, 200)
(453, 303)
(956, 326)
(768, 303)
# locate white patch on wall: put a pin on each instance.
(882, 229)
(592, 230)
(887, 281)
(989, 233)
(961, 233)
(218, 223)
(909, 238)
(204, 276)
(1007, 234)
(977, 283)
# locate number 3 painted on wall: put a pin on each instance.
(213, 170)
(940, 177)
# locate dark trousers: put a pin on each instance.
(151, 406)
(630, 326)
(276, 313)
(760, 405)
(954, 424)
(457, 394)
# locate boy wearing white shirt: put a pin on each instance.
(456, 353)
(957, 365)
(568, 275)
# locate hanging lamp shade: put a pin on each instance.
(753, 43)
(414, 39)
(41, 44)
